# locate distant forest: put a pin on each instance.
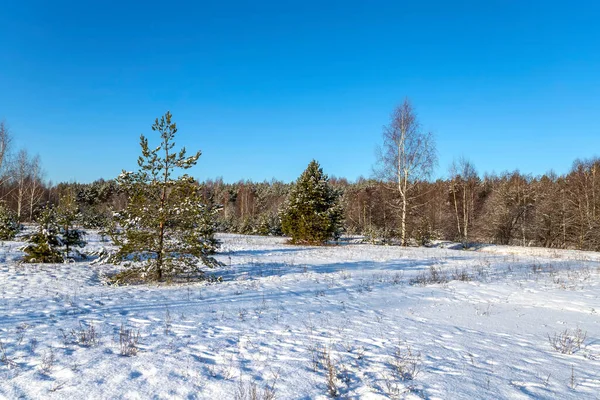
(557, 211)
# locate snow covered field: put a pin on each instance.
(304, 322)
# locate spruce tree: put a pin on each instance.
(167, 226)
(43, 245)
(312, 213)
(9, 226)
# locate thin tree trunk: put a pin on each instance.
(466, 209)
(456, 210)
(403, 194)
(161, 233)
(19, 202)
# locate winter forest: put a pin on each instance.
(154, 284)
(313, 200)
(554, 211)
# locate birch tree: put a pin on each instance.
(20, 175)
(406, 158)
(5, 140)
(463, 186)
(35, 186)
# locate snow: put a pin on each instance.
(282, 307)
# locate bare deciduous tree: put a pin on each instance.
(407, 157)
(509, 209)
(35, 186)
(20, 175)
(463, 186)
(583, 203)
(5, 140)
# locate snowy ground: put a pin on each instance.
(359, 320)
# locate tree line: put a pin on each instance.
(400, 203)
(22, 184)
(558, 211)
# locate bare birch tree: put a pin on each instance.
(20, 176)
(406, 158)
(35, 184)
(5, 140)
(463, 186)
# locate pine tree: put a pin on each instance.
(93, 201)
(43, 246)
(312, 213)
(9, 226)
(67, 214)
(167, 226)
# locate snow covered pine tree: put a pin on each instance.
(167, 227)
(67, 215)
(9, 226)
(312, 213)
(43, 245)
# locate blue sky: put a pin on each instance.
(263, 87)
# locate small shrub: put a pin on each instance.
(252, 391)
(331, 374)
(4, 359)
(567, 342)
(461, 275)
(432, 276)
(48, 360)
(128, 341)
(406, 363)
(85, 336)
(536, 268)
(392, 387)
(9, 225)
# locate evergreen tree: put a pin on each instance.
(312, 213)
(9, 226)
(94, 201)
(167, 226)
(67, 214)
(43, 246)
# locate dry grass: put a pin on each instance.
(86, 336)
(406, 363)
(331, 374)
(434, 275)
(128, 341)
(253, 391)
(567, 342)
(4, 359)
(48, 360)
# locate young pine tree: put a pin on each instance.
(167, 225)
(67, 214)
(43, 246)
(9, 226)
(312, 213)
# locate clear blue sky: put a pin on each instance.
(262, 87)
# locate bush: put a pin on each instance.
(9, 226)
